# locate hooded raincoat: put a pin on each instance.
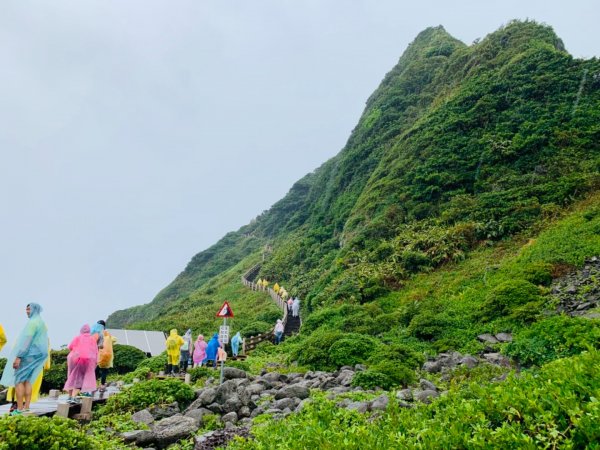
(37, 384)
(2, 337)
(97, 332)
(173, 344)
(106, 356)
(235, 343)
(212, 347)
(199, 350)
(31, 347)
(296, 307)
(81, 362)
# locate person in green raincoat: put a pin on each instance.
(173, 344)
(27, 358)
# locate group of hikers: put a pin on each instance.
(91, 356)
(90, 352)
(183, 353)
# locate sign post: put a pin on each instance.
(224, 312)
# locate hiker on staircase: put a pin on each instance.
(278, 331)
(296, 307)
(235, 343)
(173, 344)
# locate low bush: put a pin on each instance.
(55, 377)
(352, 349)
(507, 296)
(147, 393)
(555, 407)
(242, 365)
(198, 373)
(257, 327)
(28, 432)
(127, 358)
(370, 379)
(553, 338)
(398, 374)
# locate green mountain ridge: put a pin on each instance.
(460, 146)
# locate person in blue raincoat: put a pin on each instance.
(211, 349)
(27, 357)
(235, 343)
(98, 332)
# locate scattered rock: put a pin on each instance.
(504, 337)
(380, 403)
(487, 338)
(427, 385)
(425, 396)
(143, 416)
(172, 429)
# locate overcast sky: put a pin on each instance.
(134, 134)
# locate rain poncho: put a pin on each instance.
(199, 350)
(187, 341)
(2, 338)
(173, 344)
(221, 355)
(106, 356)
(212, 347)
(235, 343)
(37, 384)
(31, 347)
(97, 332)
(296, 307)
(81, 362)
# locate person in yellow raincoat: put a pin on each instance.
(173, 344)
(2, 337)
(276, 288)
(106, 357)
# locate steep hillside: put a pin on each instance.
(460, 147)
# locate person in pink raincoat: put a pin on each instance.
(81, 364)
(199, 351)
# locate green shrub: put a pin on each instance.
(147, 393)
(429, 325)
(127, 358)
(55, 377)
(508, 295)
(257, 327)
(398, 374)
(351, 349)
(198, 373)
(156, 363)
(2, 365)
(59, 356)
(370, 379)
(242, 365)
(553, 338)
(313, 351)
(28, 432)
(538, 273)
(555, 407)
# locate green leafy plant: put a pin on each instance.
(147, 393)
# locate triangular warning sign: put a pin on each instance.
(225, 311)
